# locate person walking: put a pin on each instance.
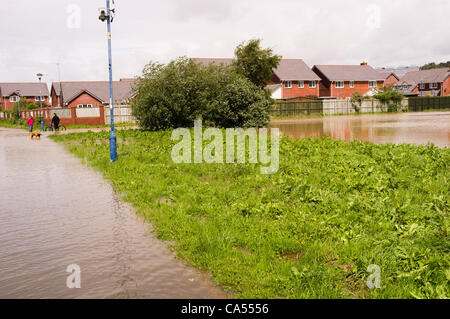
(55, 122)
(30, 123)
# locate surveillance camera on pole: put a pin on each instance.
(102, 14)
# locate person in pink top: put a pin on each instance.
(30, 123)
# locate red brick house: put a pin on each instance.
(434, 82)
(292, 79)
(90, 94)
(390, 78)
(342, 81)
(10, 93)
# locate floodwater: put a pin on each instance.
(411, 128)
(55, 212)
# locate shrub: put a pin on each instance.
(394, 108)
(388, 96)
(356, 100)
(176, 94)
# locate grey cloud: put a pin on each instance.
(36, 33)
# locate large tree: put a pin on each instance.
(176, 94)
(256, 63)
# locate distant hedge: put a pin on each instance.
(176, 94)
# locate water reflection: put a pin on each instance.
(55, 212)
(412, 128)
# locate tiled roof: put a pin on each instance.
(293, 70)
(350, 73)
(426, 76)
(122, 89)
(25, 88)
(287, 70)
(388, 74)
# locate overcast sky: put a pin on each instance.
(38, 34)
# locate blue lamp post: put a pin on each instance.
(40, 75)
(107, 15)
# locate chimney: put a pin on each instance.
(363, 63)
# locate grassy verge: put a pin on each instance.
(79, 126)
(11, 124)
(309, 231)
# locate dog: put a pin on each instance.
(36, 135)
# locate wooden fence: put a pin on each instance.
(345, 106)
(282, 109)
(417, 104)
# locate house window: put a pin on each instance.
(339, 85)
(312, 84)
(301, 84)
(39, 98)
(352, 84)
(13, 98)
(288, 84)
(84, 105)
(422, 86)
(372, 84)
(434, 85)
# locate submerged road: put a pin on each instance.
(56, 212)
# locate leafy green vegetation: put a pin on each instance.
(13, 124)
(309, 231)
(390, 98)
(176, 94)
(356, 100)
(77, 126)
(255, 63)
(433, 65)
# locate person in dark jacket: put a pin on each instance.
(55, 121)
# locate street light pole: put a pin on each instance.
(112, 137)
(40, 75)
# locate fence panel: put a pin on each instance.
(417, 104)
(88, 112)
(122, 114)
(284, 109)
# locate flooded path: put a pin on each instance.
(411, 128)
(55, 212)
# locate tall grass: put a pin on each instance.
(309, 231)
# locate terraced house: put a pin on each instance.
(434, 82)
(342, 81)
(11, 92)
(90, 93)
(291, 80)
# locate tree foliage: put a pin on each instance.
(255, 63)
(390, 97)
(356, 100)
(433, 65)
(176, 94)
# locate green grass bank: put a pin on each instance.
(309, 231)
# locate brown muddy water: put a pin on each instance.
(411, 128)
(55, 212)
